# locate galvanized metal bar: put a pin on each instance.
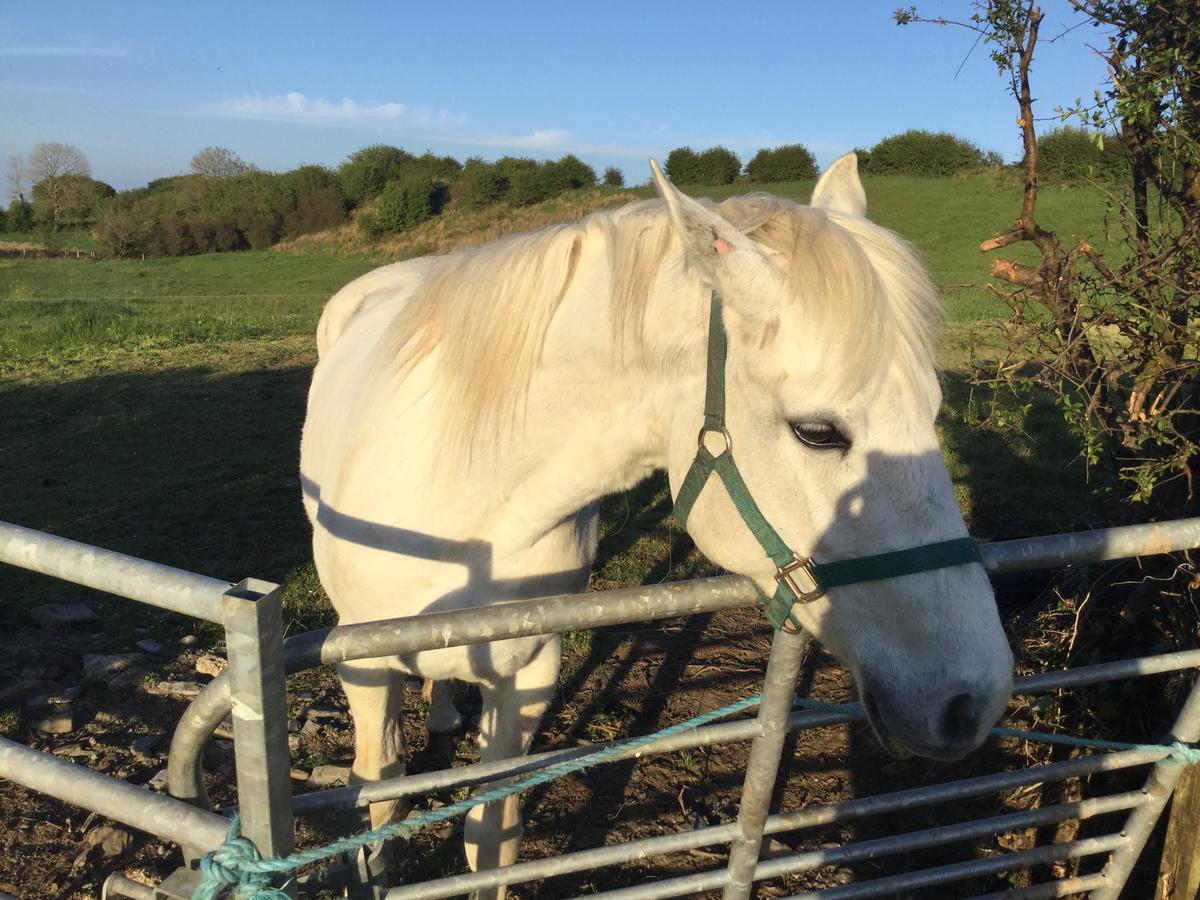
(448, 629)
(1051, 551)
(1064, 887)
(779, 686)
(914, 798)
(657, 846)
(254, 642)
(118, 885)
(360, 795)
(947, 834)
(519, 618)
(553, 866)
(1159, 785)
(1110, 671)
(142, 809)
(111, 572)
(893, 885)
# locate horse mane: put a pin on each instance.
(483, 315)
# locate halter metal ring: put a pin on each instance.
(723, 431)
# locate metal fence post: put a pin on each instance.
(1158, 788)
(779, 686)
(254, 643)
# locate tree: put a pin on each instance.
(791, 162)
(58, 172)
(719, 165)
(919, 152)
(365, 172)
(683, 166)
(15, 176)
(403, 204)
(219, 162)
(614, 177)
(1112, 337)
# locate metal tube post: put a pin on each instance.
(254, 642)
(779, 686)
(1158, 788)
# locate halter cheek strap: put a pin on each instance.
(799, 579)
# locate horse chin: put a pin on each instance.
(885, 738)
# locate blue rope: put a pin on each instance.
(239, 863)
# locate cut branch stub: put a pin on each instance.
(1017, 273)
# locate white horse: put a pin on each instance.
(469, 410)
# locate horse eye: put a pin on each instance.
(820, 435)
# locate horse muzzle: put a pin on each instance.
(944, 725)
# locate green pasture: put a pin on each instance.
(154, 406)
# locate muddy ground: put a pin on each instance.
(617, 682)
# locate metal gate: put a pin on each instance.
(259, 660)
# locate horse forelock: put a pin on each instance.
(863, 300)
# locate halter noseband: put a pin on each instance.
(799, 579)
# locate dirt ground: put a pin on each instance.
(617, 682)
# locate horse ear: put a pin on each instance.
(839, 189)
(713, 248)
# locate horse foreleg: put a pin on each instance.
(512, 709)
(376, 696)
(444, 716)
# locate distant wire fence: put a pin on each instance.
(35, 252)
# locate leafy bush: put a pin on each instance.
(365, 172)
(917, 152)
(118, 232)
(527, 186)
(20, 216)
(261, 230)
(570, 173)
(1073, 154)
(437, 168)
(69, 200)
(719, 165)
(614, 177)
(315, 211)
(402, 205)
(790, 162)
(481, 184)
(683, 166)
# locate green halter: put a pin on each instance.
(799, 579)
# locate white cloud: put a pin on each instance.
(295, 107)
(76, 48)
(410, 123)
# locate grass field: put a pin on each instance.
(154, 406)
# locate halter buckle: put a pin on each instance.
(805, 592)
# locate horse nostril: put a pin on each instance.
(961, 721)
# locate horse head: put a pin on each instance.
(830, 395)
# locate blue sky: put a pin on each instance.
(140, 87)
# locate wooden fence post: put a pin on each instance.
(1179, 875)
